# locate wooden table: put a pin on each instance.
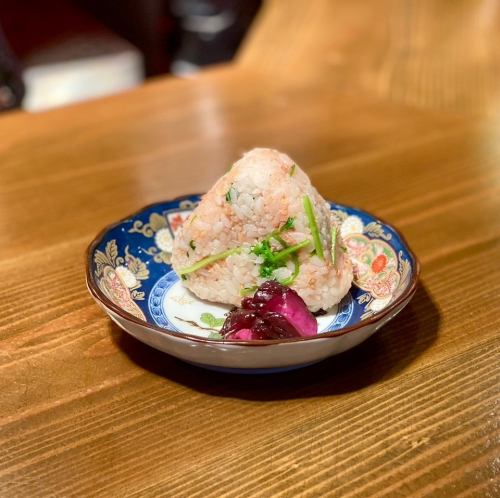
(87, 410)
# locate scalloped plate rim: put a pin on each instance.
(99, 296)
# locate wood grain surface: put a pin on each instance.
(86, 410)
(436, 54)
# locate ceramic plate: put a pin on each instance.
(130, 277)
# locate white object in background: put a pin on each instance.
(80, 68)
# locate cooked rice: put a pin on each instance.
(263, 196)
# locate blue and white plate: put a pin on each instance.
(130, 277)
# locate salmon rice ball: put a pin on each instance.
(263, 220)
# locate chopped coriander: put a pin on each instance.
(288, 225)
(211, 321)
(292, 170)
(266, 271)
(231, 194)
(215, 335)
(283, 254)
(279, 239)
(246, 291)
(184, 277)
(265, 251)
(192, 245)
(272, 260)
(334, 243)
(313, 227)
(208, 261)
(293, 276)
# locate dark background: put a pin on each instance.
(171, 36)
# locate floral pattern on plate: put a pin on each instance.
(375, 265)
(162, 228)
(138, 289)
(119, 277)
(378, 268)
(156, 228)
(132, 267)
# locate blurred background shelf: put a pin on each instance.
(56, 52)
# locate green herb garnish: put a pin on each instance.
(313, 227)
(272, 260)
(208, 261)
(290, 250)
(246, 291)
(265, 251)
(215, 335)
(211, 321)
(292, 170)
(293, 276)
(288, 225)
(231, 194)
(334, 243)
